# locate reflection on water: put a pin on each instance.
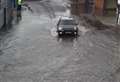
(67, 40)
(7, 50)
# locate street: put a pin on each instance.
(31, 51)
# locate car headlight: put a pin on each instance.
(60, 28)
(75, 28)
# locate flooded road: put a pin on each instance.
(31, 51)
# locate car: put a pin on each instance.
(67, 25)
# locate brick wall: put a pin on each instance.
(82, 6)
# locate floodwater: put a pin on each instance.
(31, 51)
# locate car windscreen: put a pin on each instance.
(67, 22)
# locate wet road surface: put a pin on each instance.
(32, 52)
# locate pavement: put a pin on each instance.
(110, 20)
(31, 51)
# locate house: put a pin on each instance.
(105, 7)
(6, 9)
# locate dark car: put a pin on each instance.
(67, 25)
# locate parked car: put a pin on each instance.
(67, 25)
